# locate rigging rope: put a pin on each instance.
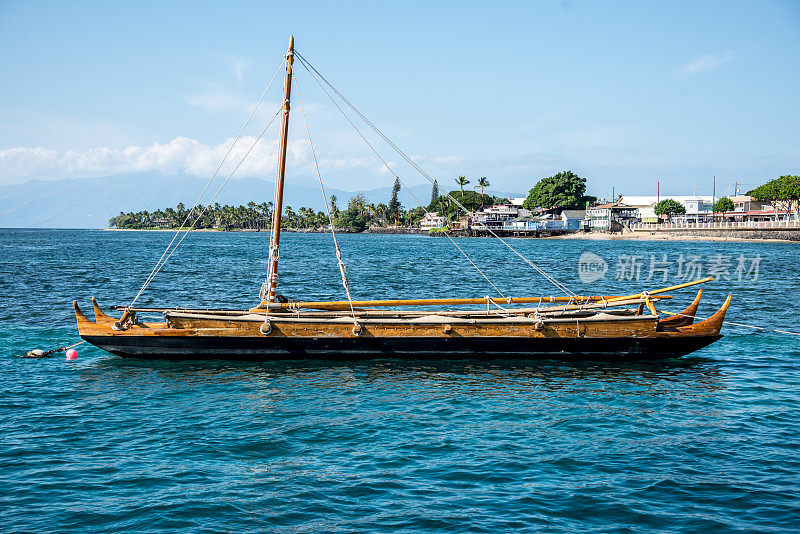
(314, 73)
(447, 234)
(385, 164)
(342, 270)
(735, 324)
(205, 208)
(159, 264)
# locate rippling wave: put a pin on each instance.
(702, 443)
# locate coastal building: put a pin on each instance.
(698, 207)
(499, 216)
(611, 216)
(748, 209)
(647, 214)
(746, 203)
(431, 220)
(463, 223)
(572, 219)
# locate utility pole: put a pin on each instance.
(713, 196)
(658, 192)
(713, 189)
(736, 189)
(613, 198)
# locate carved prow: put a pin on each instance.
(83, 321)
(100, 317)
(686, 317)
(712, 325)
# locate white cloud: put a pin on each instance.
(707, 62)
(180, 155)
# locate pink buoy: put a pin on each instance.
(72, 354)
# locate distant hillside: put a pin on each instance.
(91, 202)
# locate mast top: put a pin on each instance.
(291, 44)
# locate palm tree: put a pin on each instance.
(263, 215)
(462, 181)
(251, 215)
(181, 212)
(482, 183)
(380, 211)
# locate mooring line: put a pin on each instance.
(39, 353)
(736, 324)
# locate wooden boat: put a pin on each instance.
(571, 326)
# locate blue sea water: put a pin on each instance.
(708, 442)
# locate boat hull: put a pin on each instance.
(250, 336)
(419, 348)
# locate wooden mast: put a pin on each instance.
(274, 247)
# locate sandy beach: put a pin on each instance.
(662, 237)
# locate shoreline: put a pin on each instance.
(262, 231)
(413, 231)
(667, 237)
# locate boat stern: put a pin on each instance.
(711, 326)
(85, 325)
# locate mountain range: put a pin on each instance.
(91, 202)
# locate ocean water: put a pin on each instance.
(709, 442)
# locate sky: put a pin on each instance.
(625, 94)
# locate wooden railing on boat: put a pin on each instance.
(576, 300)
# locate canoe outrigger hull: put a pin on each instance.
(249, 348)
(569, 326)
(599, 335)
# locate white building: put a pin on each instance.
(697, 206)
(611, 216)
(432, 219)
(499, 215)
(745, 203)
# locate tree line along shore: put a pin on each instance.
(564, 190)
(358, 215)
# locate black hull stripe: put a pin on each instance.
(458, 348)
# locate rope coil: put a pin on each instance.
(266, 327)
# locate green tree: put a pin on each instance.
(288, 219)
(334, 207)
(472, 200)
(180, 211)
(563, 190)
(394, 204)
(482, 183)
(784, 191)
(462, 181)
(413, 217)
(354, 217)
(435, 192)
(381, 211)
(669, 208)
(722, 205)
